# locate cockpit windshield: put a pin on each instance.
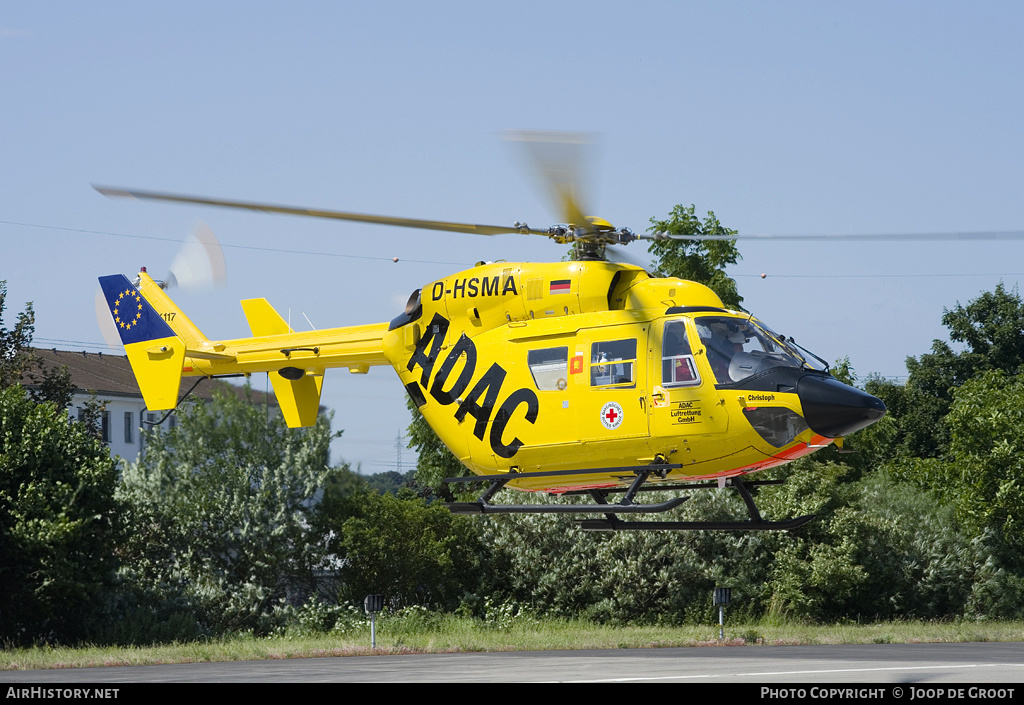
(740, 347)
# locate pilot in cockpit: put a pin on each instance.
(721, 343)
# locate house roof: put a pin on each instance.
(112, 375)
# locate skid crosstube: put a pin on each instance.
(626, 505)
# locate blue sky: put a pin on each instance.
(783, 117)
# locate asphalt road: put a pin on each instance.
(976, 663)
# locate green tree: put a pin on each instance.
(20, 365)
(222, 512)
(879, 548)
(412, 552)
(544, 562)
(702, 261)
(990, 331)
(15, 344)
(984, 475)
(58, 522)
(930, 507)
(392, 481)
(434, 462)
(979, 479)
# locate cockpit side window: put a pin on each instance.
(677, 366)
(613, 362)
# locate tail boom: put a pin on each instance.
(163, 345)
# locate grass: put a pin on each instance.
(450, 634)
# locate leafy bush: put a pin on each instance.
(221, 514)
(58, 522)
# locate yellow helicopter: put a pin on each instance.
(582, 377)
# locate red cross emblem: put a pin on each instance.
(611, 415)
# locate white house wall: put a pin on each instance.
(122, 414)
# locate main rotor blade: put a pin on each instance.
(863, 237)
(617, 253)
(558, 160)
(317, 213)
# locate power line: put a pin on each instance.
(60, 341)
(871, 276)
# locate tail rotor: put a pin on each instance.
(197, 267)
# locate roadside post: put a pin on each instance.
(373, 604)
(721, 597)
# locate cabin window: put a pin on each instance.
(677, 366)
(613, 362)
(549, 367)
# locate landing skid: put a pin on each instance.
(626, 505)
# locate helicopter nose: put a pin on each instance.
(833, 409)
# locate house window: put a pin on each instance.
(129, 434)
(104, 423)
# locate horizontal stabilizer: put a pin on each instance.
(298, 393)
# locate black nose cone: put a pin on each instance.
(833, 409)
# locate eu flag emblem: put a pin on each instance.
(136, 320)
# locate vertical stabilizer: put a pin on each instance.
(155, 352)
